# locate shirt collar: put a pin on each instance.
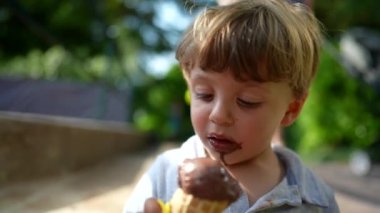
(282, 194)
(303, 185)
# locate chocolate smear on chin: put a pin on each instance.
(237, 146)
(222, 154)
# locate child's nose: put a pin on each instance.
(221, 114)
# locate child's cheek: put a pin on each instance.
(199, 118)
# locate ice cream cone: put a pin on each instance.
(187, 203)
(205, 186)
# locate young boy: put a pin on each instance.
(248, 66)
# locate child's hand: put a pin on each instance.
(153, 205)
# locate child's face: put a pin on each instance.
(234, 117)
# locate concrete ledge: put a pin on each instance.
(33, 145)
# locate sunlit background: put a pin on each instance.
(104, 71)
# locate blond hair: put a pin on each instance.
(260, 40)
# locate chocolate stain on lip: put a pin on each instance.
(222, 154)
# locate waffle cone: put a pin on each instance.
(187, 203)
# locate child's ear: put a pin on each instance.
(294, 109)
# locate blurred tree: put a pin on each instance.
(109, 42)
(163, 111)
(118, 30)
(339, 15)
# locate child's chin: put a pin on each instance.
(225, 159)
(235, 159)
(213, 154)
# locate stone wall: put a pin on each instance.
(33, 146)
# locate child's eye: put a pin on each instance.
(247, 104)
(204, 96)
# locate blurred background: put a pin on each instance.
(84, 81)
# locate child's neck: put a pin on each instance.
(260, 175)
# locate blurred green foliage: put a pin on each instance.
(56, 63)
(106, 42)
(83, 41)
(160, 107)
(341, 112)
(339, 15)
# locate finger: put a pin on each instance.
(151, 205)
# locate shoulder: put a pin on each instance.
(313, 190)
(191, 148)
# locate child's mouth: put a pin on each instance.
(223, 145)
